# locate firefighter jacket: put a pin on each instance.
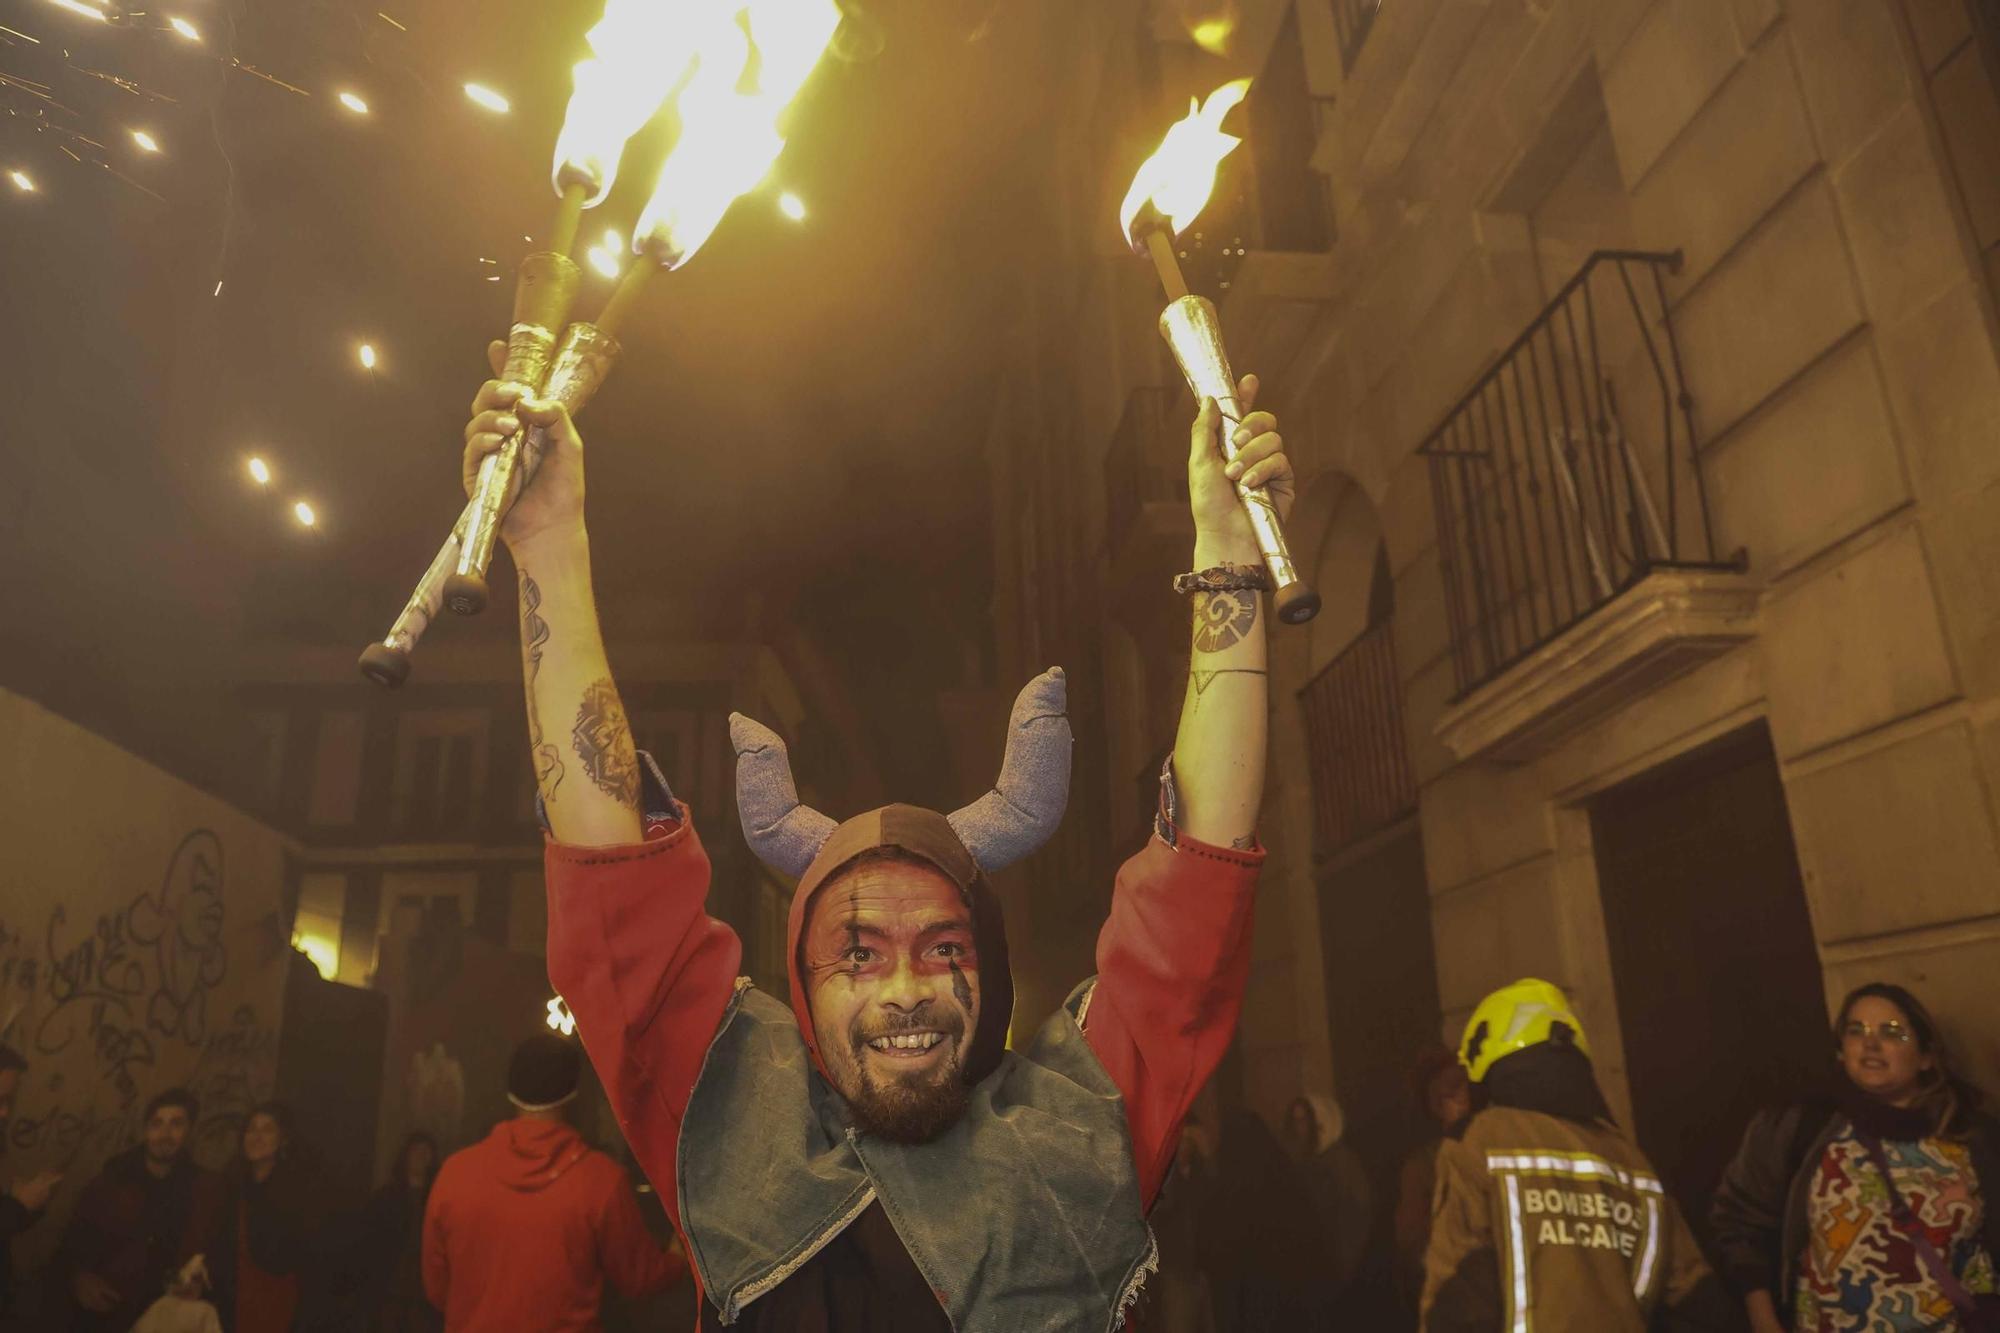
(1543, 1224)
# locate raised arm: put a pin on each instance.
(1174, 953)
(1219, 753)
(586, 769)
(631, 947)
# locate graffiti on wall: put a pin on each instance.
(119, 1005)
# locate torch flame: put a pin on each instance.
(737, 65)
(637, 56)
(752, 58)
(1178, 178)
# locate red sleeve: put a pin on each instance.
(647, 973)
(1171, 962)
(632, 1259)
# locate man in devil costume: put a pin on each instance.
(872, 1156)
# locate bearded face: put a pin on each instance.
(893, 980)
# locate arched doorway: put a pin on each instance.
(1380, 974)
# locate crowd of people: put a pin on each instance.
(522, 1230)
(1857, 1208)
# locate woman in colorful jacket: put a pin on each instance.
(1866, 1209)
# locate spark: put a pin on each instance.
(145, 141)
(792, 206)
(602, 260)
(218, 288)
(487, 98)
(119, 81)
(560, 1019)
(612, 240)
(368, 356)
(303, 512)
(33, 88)
(272, 79)
(11, 32)
(87, 11)
(184, 28)
(260, 471)
(391, 22)
(354, 104)
(22, 181)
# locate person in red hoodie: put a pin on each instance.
(524, 1228)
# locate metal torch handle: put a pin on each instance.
(1194, 332)
(582, 358)
(388, 662)
(483, 514)
(1295, 601)
(1264, 520)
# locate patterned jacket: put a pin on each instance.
(1759, 1214)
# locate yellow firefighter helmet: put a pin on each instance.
(1514, 1018)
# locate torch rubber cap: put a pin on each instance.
(1297, 603)
(465, 594)
(384, 665)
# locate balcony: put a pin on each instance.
(1361, 778)
(1574, 540)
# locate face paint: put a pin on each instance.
(892, 982)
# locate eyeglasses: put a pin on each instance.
(1888, 1030)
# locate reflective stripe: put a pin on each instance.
(1519, 1247)
(1574, 1164)
(1644, 1282)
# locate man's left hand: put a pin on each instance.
(1220, 522)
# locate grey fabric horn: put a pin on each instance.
(785, 834)
(1024, 808)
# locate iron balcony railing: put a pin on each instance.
(1569, 471)
(1361, 778)
(1140, 464)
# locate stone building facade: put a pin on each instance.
(1757, 759)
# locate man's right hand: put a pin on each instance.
(33, 1193)
(554, 504)
(93, 1293)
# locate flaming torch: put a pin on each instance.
(738, 65)
(1170, 189)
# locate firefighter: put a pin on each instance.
(1547, 1219)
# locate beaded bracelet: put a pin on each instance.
(1223, 578)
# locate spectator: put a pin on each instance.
(1548, 1218)
(1342, 1199)
(268, 1228)
(148, 1212)
(523, 1228)
(1444, 1098)
(389, 1261)
(1260, 1239)
(1865, 1208)
(24, 1201)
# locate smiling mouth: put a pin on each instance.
(905, 1044)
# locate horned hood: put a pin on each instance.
(1010, 821)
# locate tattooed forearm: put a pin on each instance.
(603, 741)
(534, 637)
(1221, 619)
(1201, 680)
